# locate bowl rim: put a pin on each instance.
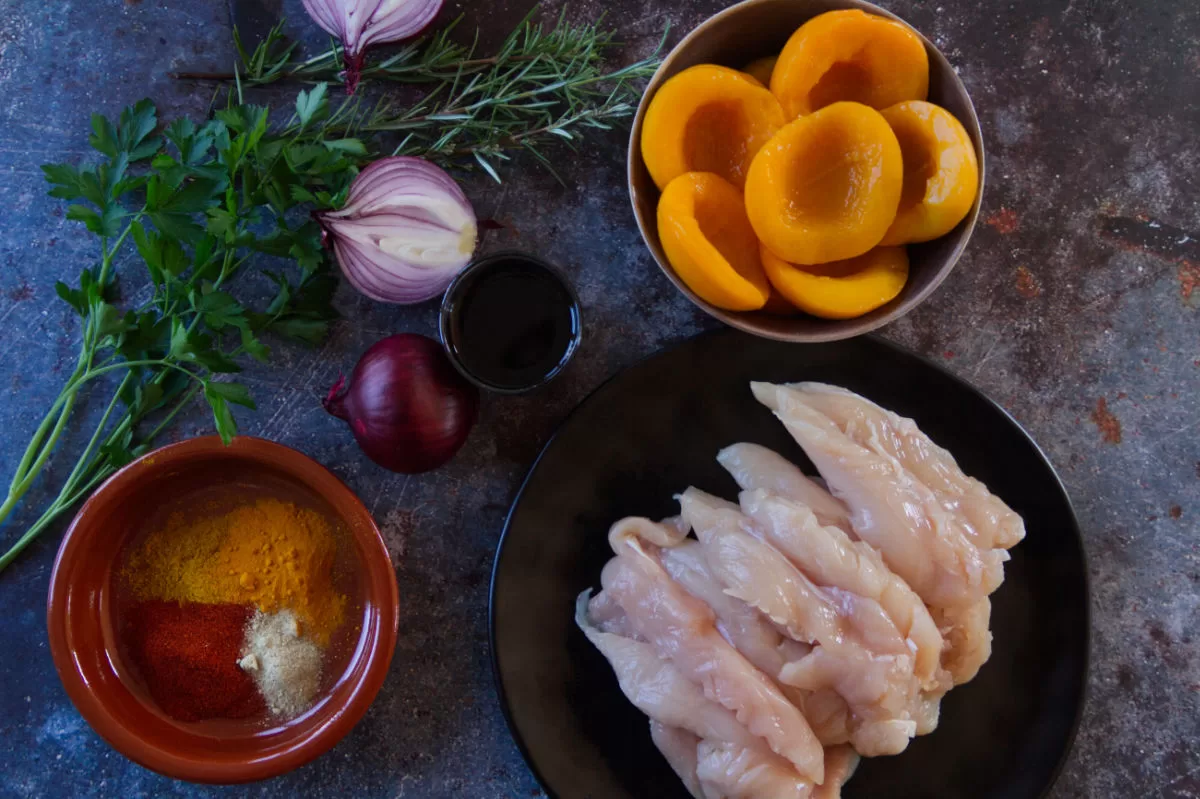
(839, 329)
(375, 647)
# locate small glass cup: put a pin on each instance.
(528, 327)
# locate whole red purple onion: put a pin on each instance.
(409, 409)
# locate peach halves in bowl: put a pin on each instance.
(878, 149)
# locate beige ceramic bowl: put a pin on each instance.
(757, 28)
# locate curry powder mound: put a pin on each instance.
(271, 554)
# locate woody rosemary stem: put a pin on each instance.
(201, 198)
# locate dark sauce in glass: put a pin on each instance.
(510, 322)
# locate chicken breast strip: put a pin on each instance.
(840, 764)
(968, 638)
(759, 641)
(679, 747)
(661, 691)
(608, 616)
(668, 533)
(682, 630)
(891, 510)
(739, 624)
(756, 467)
(874, 672)
(754, 571)
(892, 435)
(738, 772)
(883, 724)
(828, 556)
(656, 687)
(717, 764)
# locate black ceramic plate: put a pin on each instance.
(653, 430)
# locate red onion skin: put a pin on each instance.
(353, 65)
(325, 14)
(409, 409)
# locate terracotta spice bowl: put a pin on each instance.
(81, 610)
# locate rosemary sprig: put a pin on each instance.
(540, 86)
(201, 203)
(543, 84)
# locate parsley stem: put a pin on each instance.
(39, 448)
(100, 427)
(62, 503)
(83, 480)
(111, 252)
(18, 489)
(51, 513)
(130, 364)
(38, 445)
(43, 444)
(188, 396)
(35, 444)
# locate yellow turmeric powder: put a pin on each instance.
(272, 554)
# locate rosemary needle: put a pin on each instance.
(544, 84)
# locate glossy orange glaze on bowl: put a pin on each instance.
(81, 610)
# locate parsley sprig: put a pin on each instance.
(196, 205)
(203, 208)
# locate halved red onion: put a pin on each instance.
(362, 23)
(406, 230)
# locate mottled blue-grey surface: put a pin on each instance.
(1076, 307)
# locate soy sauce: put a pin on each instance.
(510, 322)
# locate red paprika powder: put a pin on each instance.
(187, 655)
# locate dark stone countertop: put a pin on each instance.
(1076, 307)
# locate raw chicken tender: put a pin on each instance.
(739, 624)
(657, 688)
(666, 533)
(817, 620)
(679, 748)
(994, 523)
(608, 616)
(737, 772)
(968, 639)
(663, 693)
(828, 556)
(682, 630)
(840, 764)
(757, 573)
(872, 688)
(867, 663)
(891, 510)
(759, 641)
(756, 467)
